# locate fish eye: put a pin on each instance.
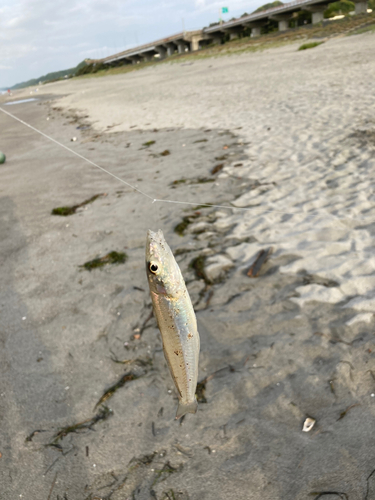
(153, 267)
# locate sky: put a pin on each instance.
(41, 36)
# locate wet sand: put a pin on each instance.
(294, 133)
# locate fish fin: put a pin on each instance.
(184, 408)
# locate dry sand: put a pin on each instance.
(298, 133)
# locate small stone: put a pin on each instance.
(216, 267)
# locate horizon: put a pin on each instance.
(38, 38)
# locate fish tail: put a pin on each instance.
(184, 408)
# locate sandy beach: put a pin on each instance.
(87, 404)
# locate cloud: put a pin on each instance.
(15, 51)
(41, 36)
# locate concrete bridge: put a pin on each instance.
(187, 41)
(282, 14)
(190, 41)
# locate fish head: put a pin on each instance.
(164, 275)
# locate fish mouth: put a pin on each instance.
(154, 244)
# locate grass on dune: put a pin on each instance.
(310, 45)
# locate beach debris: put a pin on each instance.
(34, 433)
(201, 391)
(65, 211)
(103, 413)
(217, 168)
(2, 157)
(178, 181)
(127, 377)
(148, 143)
(185, 451)
(343, 413)
(176, 319)
(333, 340)
(166, 152)
(221, 158)
(200, 140)
(308, 424)
(147, 362)
(73, 139)
(109, 258)
(196, 180)
(261, 259)
(331, 386)
(216, 267)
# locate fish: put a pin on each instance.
(176, 320)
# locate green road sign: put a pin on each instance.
(224, 10)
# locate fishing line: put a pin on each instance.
(75, 153)
(156, 200)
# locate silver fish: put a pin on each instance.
(176, 319)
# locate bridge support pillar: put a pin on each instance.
(255, 27)
(317, 12)
(283, 25)
(181, 47)
(171, 48)
(134, 59)
(161, 51)
(283, 20)
(148, 57)
(194, 45)
(361, 7)
(255, 31)
(317, 17)
(217, 39)
(234, 33)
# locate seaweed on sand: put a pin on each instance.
(65, 211)
(309, 45)
(127, 377)
(198, 265)
(103, 413)
(181, 227)
(109, 258)
(201, 391)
